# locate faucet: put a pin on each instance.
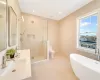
(17, 54)
(98, 54)
(3, 62)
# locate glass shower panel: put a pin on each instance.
(34, 37)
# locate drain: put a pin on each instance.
(14, 70)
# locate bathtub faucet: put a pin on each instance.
(98, 54)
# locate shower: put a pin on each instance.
(34, 36)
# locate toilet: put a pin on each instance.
(51, 52)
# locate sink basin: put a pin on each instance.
(6, 69)
(15, 72)
(19, 69)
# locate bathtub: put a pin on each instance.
(85, 68)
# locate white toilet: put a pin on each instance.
(50, 51)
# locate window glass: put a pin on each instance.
(88, 30)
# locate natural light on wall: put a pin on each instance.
(2, 2)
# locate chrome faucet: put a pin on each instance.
(17, 54)
(97, 52)
(98, 55)
(3, 61)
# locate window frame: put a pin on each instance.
(78, 31)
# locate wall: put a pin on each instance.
(68, 29)
(53, 35)
(15, 5)
(34, 31)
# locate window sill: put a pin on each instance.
(92, 51)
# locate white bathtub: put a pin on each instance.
(85, 68)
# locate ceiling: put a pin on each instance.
(53, 9)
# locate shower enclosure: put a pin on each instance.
(34, 36)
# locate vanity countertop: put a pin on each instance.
(25, 54)
(21, 68)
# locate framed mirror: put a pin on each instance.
(12, 28)
(3, 25)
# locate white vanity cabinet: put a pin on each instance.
(25, 54)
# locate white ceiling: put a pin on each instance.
(53, 9)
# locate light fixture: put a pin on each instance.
(33, 11)
(23, 18)
(59, 12)
(2, 2)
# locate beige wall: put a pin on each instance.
(40, 28)
(53, 34)
(68, 29)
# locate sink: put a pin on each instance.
(19, 69)
(15, 72)
(6, 69)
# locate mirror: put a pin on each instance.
(12, 29)
(3, 24)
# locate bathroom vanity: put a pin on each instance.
(19, 69)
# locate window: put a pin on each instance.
(87, 32)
